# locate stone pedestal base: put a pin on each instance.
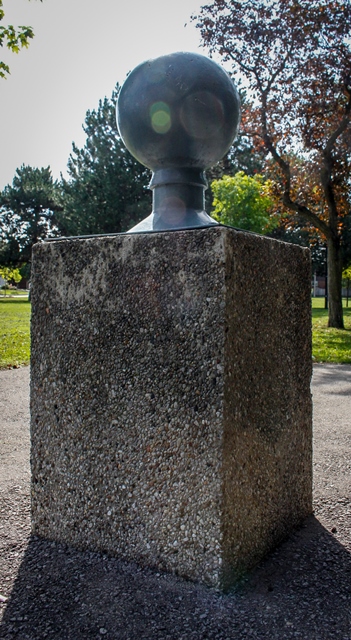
(170, 397)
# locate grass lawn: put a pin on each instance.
(13, 292)
(330, 345)
(14, 331)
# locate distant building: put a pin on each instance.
(318, 286)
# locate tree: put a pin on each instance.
(293, 229)
(346, 277)
(243, 201)
(28, 213)
(14, 39)
(107, 188)
(8, 274)
(295, 58)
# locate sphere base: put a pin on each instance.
(191, 220)
(178, 197)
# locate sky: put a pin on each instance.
(80, 50)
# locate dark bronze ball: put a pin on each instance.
(179, 110)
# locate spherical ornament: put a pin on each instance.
(178, 111)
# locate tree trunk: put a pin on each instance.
(335, 318)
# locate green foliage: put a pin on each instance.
(242, 201)
(14, 39)
(25, 270)
(14, 332)
(346, 281)
(28, 213)
(107, 188)
(9, 274)
(330, 345)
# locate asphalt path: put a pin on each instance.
(302, 590)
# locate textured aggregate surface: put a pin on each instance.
(302, 590)
(171, 411)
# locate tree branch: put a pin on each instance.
(280, 68)
(302, 210)
(340, 129)
(327, 168)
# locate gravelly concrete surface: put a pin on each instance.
(303, 590)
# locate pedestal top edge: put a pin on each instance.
(218, 230)
(162, 232)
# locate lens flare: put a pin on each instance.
(173, 210)
(202, 115)
(160, 115)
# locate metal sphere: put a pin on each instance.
(178, 111)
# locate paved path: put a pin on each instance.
(303, 590)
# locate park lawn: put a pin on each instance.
(330, 345)
(14, 332)
(13, 293)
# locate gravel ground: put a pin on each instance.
(302, 590)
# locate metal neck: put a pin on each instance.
(178, 197)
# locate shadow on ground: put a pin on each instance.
(303, 590)
(337, 378)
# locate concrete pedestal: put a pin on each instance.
(170, 397)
